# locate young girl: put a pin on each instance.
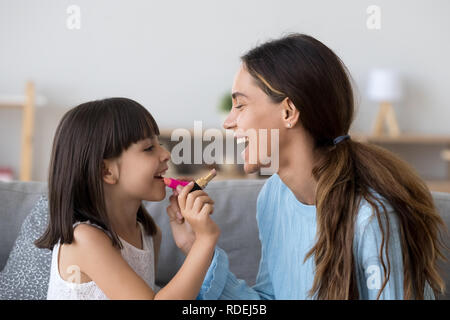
(340, 219)
(106, 159)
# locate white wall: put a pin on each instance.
(178, 57)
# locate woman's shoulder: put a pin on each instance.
(267, 199)
(270, 185)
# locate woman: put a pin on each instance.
(340, 219)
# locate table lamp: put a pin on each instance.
(384, 87)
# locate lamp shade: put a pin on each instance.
(384, 85)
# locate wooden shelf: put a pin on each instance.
(440, 186)
(419, 140)
(404, 139)
(27, 104)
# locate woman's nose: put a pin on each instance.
(230, 121)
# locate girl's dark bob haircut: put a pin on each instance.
(86, 135)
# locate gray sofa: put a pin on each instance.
(23, 214)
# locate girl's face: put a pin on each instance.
(252, 111)
(140, 170)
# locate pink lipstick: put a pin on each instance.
(199, 184)
(173, 183)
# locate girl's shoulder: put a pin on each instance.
(87, 241)
(84, 231)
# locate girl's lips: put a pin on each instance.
(160, 174)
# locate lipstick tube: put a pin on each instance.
(199, 184)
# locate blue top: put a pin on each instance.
(287, 231)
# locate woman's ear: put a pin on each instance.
(109, 171)
(290, 114)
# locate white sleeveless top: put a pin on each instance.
(141, 261)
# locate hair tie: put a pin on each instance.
(340, 139)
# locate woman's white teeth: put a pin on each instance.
(242, 140)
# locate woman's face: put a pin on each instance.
(255, 118)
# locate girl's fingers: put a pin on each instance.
(173, 201)
(171, 213)
(191, 198)
(183, 193)
(174, 211)
(200, 201)
(207, 209)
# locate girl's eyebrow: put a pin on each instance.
(145, 141)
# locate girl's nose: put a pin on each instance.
(165, 156)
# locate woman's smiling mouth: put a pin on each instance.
(245, 141)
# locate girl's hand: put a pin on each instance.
(196, 207)
(182, 232)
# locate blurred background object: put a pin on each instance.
(385, 88)
(26, 103)
(6, 174)
(179, 58)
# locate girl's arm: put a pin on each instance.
(220, 282)
(196, 208)
(189, 278)
(156, 246)
(104, 265)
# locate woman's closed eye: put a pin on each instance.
(239, 106)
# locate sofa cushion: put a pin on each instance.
(17, 199)
(442, 202)
(26, 273)
(27, 270)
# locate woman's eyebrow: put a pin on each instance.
(236, 94)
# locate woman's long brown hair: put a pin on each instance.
(86, 135)
(317, 82)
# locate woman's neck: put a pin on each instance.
(296, 163)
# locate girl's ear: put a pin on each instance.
(290, 114)
(109, 171)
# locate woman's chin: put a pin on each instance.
(251, 168)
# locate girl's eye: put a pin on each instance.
(151, 147)
(239, 106)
